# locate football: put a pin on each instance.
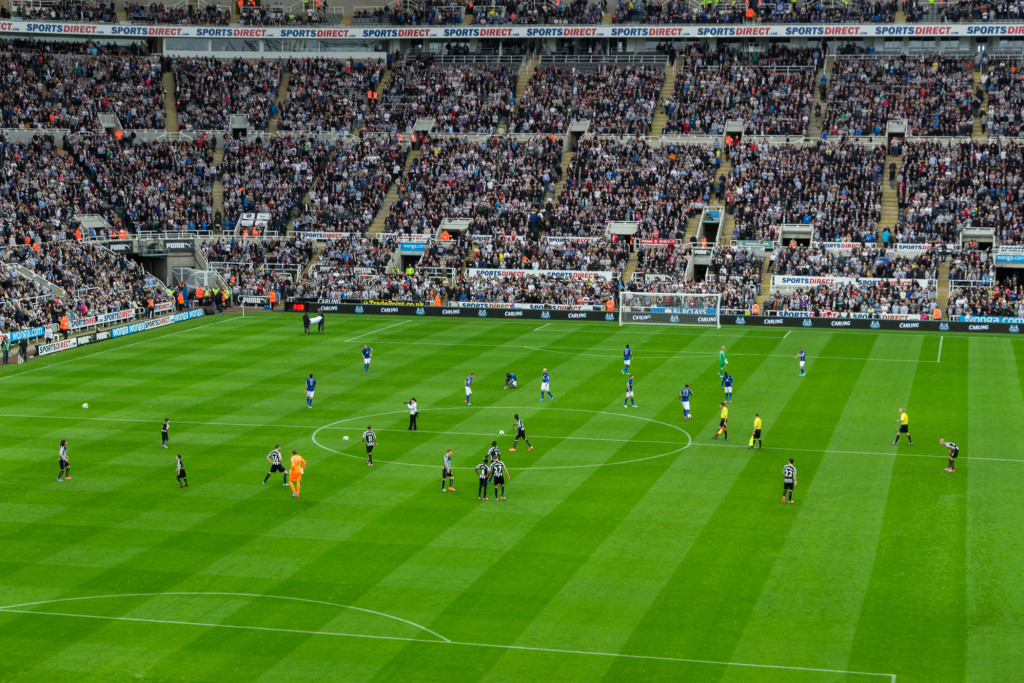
(501, 432)
(345, 438)
(85, 405)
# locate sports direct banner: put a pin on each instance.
(792, 281)
(575, 274)
(505, 32)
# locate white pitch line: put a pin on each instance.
(117, 348)
(542, 327)
(941, 339)
(520, 648)
(837, 452)
(369, 332)
(787, 334)
(535, 436)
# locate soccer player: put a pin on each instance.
(367, 355)
(629, 392)
(469, 389)
(493, 453)
(446, 472)
(684, 398)
(511, 380)
(274, 458)
(483, 471)
(499, 472)
(727, 385)
(904, 428)
(545, 385)
(756, 436)
(722, 362)
(803, 359)
(627, 358)
(723, 422)
(954, 451)
(520, 434)
(788, 480)
(298, 466)
(180, 469)
(310, 388)
(62, 460)
(165, 432)
(369, 440)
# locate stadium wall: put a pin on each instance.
(968, 324)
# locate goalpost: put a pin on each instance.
(667, 308)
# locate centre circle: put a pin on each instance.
(360, 456)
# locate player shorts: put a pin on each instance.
(629, 394)
(309, 394)
(521, 434)
(954, 453)
(904, 429)
(182, 475)
(295, 475)
(369, 450)
(787, 486)
(514, 384)
(277, 468)
(469, 392)
(757, 433)
(686, 405)
(722, 423)
(627, 361)
(366, 361)
(802, 364)
(445, 472)
(543, 386)
(499, 481)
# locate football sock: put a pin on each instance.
(292, 485)
(266, 477)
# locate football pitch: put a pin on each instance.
(631, 547)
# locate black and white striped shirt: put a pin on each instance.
(180, 467)
(789, 474)
(954, 450)
(483, 471)
(498, 469)
(63, 453)
(370, 437)
(519, 425)
(494, 453)
(275, 457)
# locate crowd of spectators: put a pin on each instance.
(934, 94)
(613, 180)
(808, 12)
(770, 100)
(975, 265)
(37, 48)
(516, 253)
(128, 87)
(269, 176)
(907, 297)
(328, 94)
(463, 98)
(159, 185)
(1005, 298)
(975, 11)
(667, 262)
(814, 12)
(374, 286)
(274, 16)
(833, 187)
(534, 12)
(498, 183)
(431, 12)
(860, 262)
(353, 184)
(1004, 83)
(675, 12)
(945, 188)
(69, 10)
(536, 288)
(617, 99)
(208, 91)
(158, 13)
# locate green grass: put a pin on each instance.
(631, 547)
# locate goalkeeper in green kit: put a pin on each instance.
(722, 362)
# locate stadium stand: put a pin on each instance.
(209, 91)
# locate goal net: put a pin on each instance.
(662, 308)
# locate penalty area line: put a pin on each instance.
(518, 648)
(369, 332)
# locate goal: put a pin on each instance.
(664, 308)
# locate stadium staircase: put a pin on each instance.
(814, 123)
(282, 89)
(979, 133)
(725, 236)
(526, 72)
(379, 221)
(631, 264)
(170, 105)
(766, 281)
(312, 261)
(218, 187)
(563, 165)
(667, 88)
(890, 198)
(942, 286)
(692, 226)
(122, 16)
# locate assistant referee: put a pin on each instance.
(904, 428)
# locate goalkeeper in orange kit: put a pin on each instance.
(295, 475)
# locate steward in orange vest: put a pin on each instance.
(65, 325)
(150, 306)
(273, 298)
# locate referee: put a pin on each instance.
(274, 458)
(788, 480)
(904, 428)
(756, 436)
